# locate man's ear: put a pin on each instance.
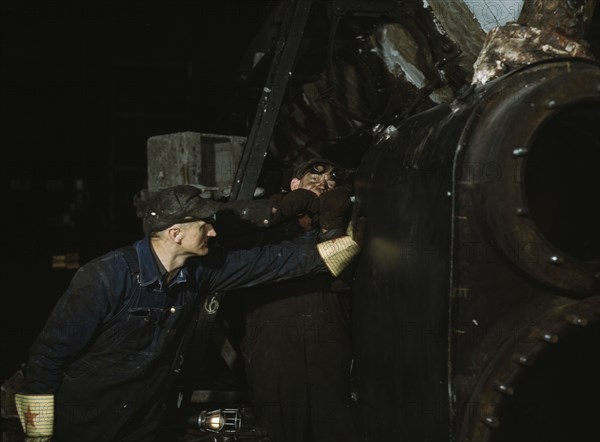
(294, 184)
(174, 233)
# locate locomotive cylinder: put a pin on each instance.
(477, 290)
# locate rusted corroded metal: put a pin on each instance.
(567, 17)
(547, 29)
(512, 46)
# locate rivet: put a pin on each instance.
(520, 151)
(576, 320)
(550, 338)
(491, 421)
(504, 389)
(173, 310)
(522, 211)
(524, 360)
(552, 104)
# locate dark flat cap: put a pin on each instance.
(177, 204)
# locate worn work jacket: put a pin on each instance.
(107, 348)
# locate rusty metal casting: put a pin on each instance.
(545, 29)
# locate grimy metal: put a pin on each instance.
(284, 56)
(477, 292)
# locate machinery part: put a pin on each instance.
(532, 151)
(552, 396)
(459, 255)
(270, 101)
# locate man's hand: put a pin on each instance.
(334, 206)
(36, 413)
(293, 204)
(338, 253)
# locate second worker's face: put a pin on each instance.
(315, 182)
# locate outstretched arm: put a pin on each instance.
(278, 262)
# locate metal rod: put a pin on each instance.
(270, 101)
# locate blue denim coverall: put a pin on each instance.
(107, 349)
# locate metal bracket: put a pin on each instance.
(270, 101)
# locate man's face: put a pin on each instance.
(195, 237)
(315, 182)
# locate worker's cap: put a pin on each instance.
(319, 166)
(175, 205)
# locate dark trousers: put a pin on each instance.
(299, 379)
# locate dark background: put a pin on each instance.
(84, 85)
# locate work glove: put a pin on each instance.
(334, 207)
(293, 204)
(338, 253)
(36, 413)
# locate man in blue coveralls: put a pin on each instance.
(98, 371)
